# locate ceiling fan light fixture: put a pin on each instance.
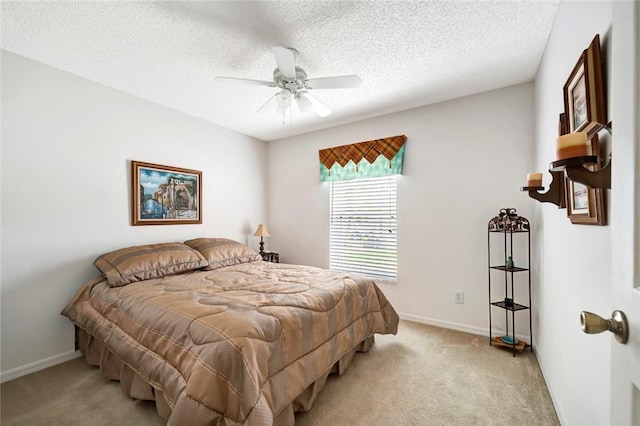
(317, 106)
(323, 112)
(284, 98)
(304, 104)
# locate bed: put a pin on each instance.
(215, 335)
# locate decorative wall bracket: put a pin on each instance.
(555, 194)
(578, 173)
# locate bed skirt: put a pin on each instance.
(133, 385)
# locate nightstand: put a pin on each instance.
(269, 256)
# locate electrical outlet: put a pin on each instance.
(459, 297)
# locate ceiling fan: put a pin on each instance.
(294, 85)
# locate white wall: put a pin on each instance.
(465, 159)
(574, 260)
(66, 149)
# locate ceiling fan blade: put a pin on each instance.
(318, 107)
(248, 81)
(286, 60)
(338, 82)
(268, 106)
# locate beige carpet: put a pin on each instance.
(423, 376)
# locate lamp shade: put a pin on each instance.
(262, 231)
(284, 98)
(283, 101)
(304, 104)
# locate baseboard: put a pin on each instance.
(551, 394)
(481, 331)
(14, 373)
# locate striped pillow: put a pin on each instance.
(221, 252)
(131, 264)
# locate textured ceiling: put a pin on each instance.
(407, 53)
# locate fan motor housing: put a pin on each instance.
(292, 84)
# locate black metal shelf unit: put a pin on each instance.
(508, 223)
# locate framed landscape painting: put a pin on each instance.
(584, 102)
(165, 195)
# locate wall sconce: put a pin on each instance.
(574, 156)
(576, 171)
(572, 150)
(262, 232)
(555, 194)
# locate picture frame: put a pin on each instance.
(585, 205)
(165, 195)
(562, 124)
(584, 102)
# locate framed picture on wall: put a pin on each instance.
(584, 103)
(562, 124)
(165, 195)
(585, 205)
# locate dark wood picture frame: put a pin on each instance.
(165, 195)
(584, 102)
(585, 205)
(562, 124)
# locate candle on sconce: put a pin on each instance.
(534, 179)
(572, 145)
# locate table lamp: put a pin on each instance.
(262, 232)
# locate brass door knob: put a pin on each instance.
(617, 324)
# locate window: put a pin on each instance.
(363, 227)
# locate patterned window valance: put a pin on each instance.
(379, 157)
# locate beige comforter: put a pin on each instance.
(236, 345)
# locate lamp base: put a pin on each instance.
(261, 245)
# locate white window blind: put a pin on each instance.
(363, 227)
